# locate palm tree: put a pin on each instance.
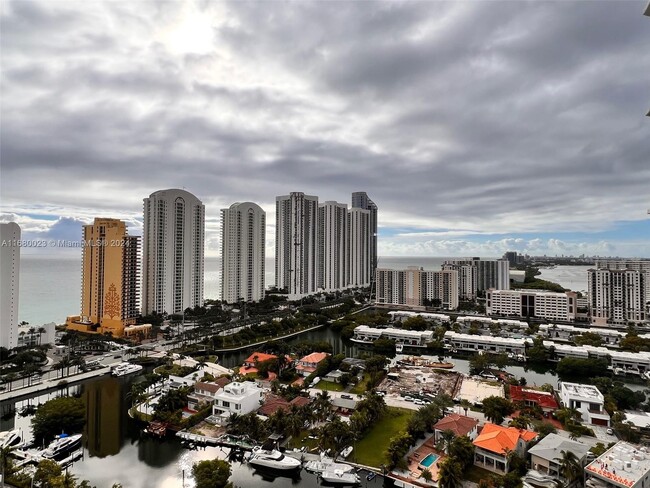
(465, 405)
(426, 475)
(446, 438)
(450, 474)
(41, 331)
(570, 467)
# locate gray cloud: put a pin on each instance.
(521, 117)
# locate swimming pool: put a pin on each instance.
(429, 460)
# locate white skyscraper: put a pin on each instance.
(296, 246)
(243, 241)
(333, 246)
(172, 248)
(9, 283)
(360, 200)
(359, 232)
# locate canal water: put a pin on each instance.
(115, 450)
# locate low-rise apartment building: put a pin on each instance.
(532, 303)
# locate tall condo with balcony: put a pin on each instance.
(9, 283)
(333, 246)
(243, 241)
(360, 245)
(296, 244)
(110, 279)
(617, 296)
(490, 273)
(173, 247)
(361, 200)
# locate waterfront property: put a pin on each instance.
(627, 362)
(411, 338)
(109, 293)
(477, 343)
(460, 425)
(624, 465)
(546, 455)
(487, 322)
(236, 398)
(424, 457)
(534, 398)
(475, 391)
(587, 399)
(495, 442)
(205, 393)
(618, 296)
(401, 315)
(308, 364)
(559, 332)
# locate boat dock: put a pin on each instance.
(229, 441)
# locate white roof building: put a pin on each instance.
(624, 465)
(413, 338)
(587, 399)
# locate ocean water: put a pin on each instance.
(50, 287)
(571, 277)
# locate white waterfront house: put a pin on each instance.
(412, 338)
(236, 397)
(560, 332)
(587, 399)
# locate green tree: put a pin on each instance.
(48, 474)
(60, 415)
(462, 450)
(450, 474)
(426, 475)
(397, 449)
(446, 438)
(496, 409)
(570, 468)
(212, 474)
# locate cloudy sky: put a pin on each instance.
(477, 127)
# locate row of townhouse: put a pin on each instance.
(611, 337)
(367, 335)
(629, 362)
(401, 315)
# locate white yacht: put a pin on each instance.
(326, 464)
(273, 459)
(340, 477)
(62, 444)
(10, 438)
(123, 369)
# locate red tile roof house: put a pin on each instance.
(308, 364)
(204, 393)
(250, 364)
(273, 403)
(495, 442)
(530, 398)
(458, 424)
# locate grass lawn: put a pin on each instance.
(302, 440)
(329, 386)
(361, 387)
(370, 450)
(476, 474)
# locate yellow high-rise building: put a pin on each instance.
(110, 279)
